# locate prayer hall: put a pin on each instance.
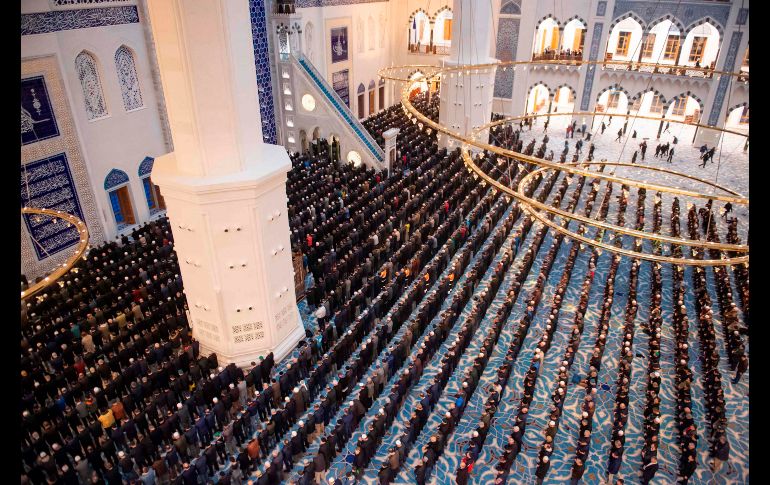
(342, 242)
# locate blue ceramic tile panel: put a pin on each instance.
(507, 40)
(262, 64)
(329, 3)
(114, 178)
(145, 168)
(601, 9)
(724, 81)
(596, 37)
(45, 22)
(37, 117)
(651, 10)
(48, 184)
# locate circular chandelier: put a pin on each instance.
(730, 254)
(60, 270)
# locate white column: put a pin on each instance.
(466, 98)
(224, 188)
(391, 137)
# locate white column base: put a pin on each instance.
(231, 233)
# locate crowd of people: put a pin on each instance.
(116, 390)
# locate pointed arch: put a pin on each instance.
(372, 28)
(128, 79)
(115, 178)
(145, 167)
(87, 69)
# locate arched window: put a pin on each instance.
(129, 81)
(88, 73)
(116, 185)
(382, 94)
(155, 201)
(361, 91)
(372, 104)
(372, 32)
(420, 28)
(442, 31)
(360, 35)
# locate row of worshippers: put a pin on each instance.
(515, 440)
(713, 392)
(734, 330)
(432, 342)
(386, 330)
(118, 429)
(362, 326)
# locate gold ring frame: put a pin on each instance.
(70, 262)
(556, 64)
(532, 205)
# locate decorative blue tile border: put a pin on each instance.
(37, 117)
(114, 178)
(507, 40)
(651, 10)
(330, 3)
(601, 9)
(596, 38)
(513, 7)
(45, 22)
(719, 98)
(743, 16)
(262, 64)
(48, 184)
(145, 168)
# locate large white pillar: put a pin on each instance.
(224, 188)
(466, 97)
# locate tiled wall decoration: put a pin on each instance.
(719, 98)
(329, 3)
(129, 82)
(66, 3)
(341, 85)
(512, 7)
(45, 22)
(48, 184)
(507, 40)
(114, 178)
(687, 13)
(601, 9)
(743, 16)
(54, 149)
(596, 38)
(145, 168)
(262, 61)
(37, 118)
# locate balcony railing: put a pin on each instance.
(558, 56)
(439, 50)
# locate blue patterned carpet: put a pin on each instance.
(565, 441)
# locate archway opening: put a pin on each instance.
(442, 30)
(546, 39)
(613, 101)
(648, 104)
(685, 108)
(624, 41)
(419, 31)
(573, 39)
(738, 119)
(538, 99)
(417, 87)
(701, 46)
(563, 100)
(662, 44)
